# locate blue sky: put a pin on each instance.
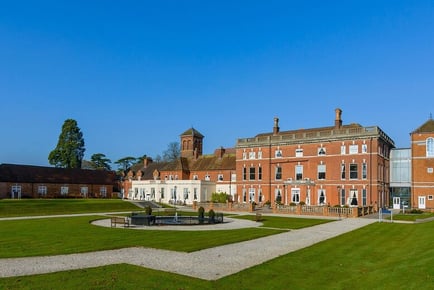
(137, 74)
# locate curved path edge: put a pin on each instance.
(215, 263)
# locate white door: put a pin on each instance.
(396, 202)
(422, 204)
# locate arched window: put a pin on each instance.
(430, 147)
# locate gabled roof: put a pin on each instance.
(41, 174)
(192, 132)
(427, 127)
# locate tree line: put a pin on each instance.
(70, 148)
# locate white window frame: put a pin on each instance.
(252, 173)
(84, 191)
(42, 190)
(343, 150)
(16, 191)
(321, 169)
(343, 171)
(357, 171)
(278, 173)
(295, 195)
(354, 149)
(299, 152)
(64, 190)
(430, 147)
(322, 193)
(278, 153)
(252, 155)
(364, 170)
(251, 194)
(353, 194)
(103, 191)
(298, 170)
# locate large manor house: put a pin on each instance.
(346, 165)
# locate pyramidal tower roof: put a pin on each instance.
(427, 127)
(192, 132)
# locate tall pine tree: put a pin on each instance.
(69, 151)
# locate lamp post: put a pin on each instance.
(176, 213)
(339, 200)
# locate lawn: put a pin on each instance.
(287, 222)
(412, 216)
(51, 236)
(40, 207)
(379, 256)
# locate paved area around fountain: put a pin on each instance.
(215, 262)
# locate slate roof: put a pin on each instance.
(41, 174)
(427, 127)
(203, 163)
(320, 129)
(212, 162)
(192, 132)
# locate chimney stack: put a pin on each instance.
(338, 118)
(276, 126)
(147, 161)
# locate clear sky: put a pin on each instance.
(137, 74)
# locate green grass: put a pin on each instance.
(39, 207)
(52, 236)
(285, 222)
(412, 217)
(379, 256)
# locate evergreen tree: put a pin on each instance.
(99, 161)
(69, 151)
(125, 163)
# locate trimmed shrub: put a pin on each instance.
(201, 214)
(148, 210)
(211, 216)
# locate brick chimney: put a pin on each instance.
(219, 152)
(276, 126)
(147, 161)
(338, 118)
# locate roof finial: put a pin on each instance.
(430, 116)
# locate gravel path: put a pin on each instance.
(215, 262)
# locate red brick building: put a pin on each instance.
(422, 159)
(167, 181)
(25, 181)
(345, 165)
